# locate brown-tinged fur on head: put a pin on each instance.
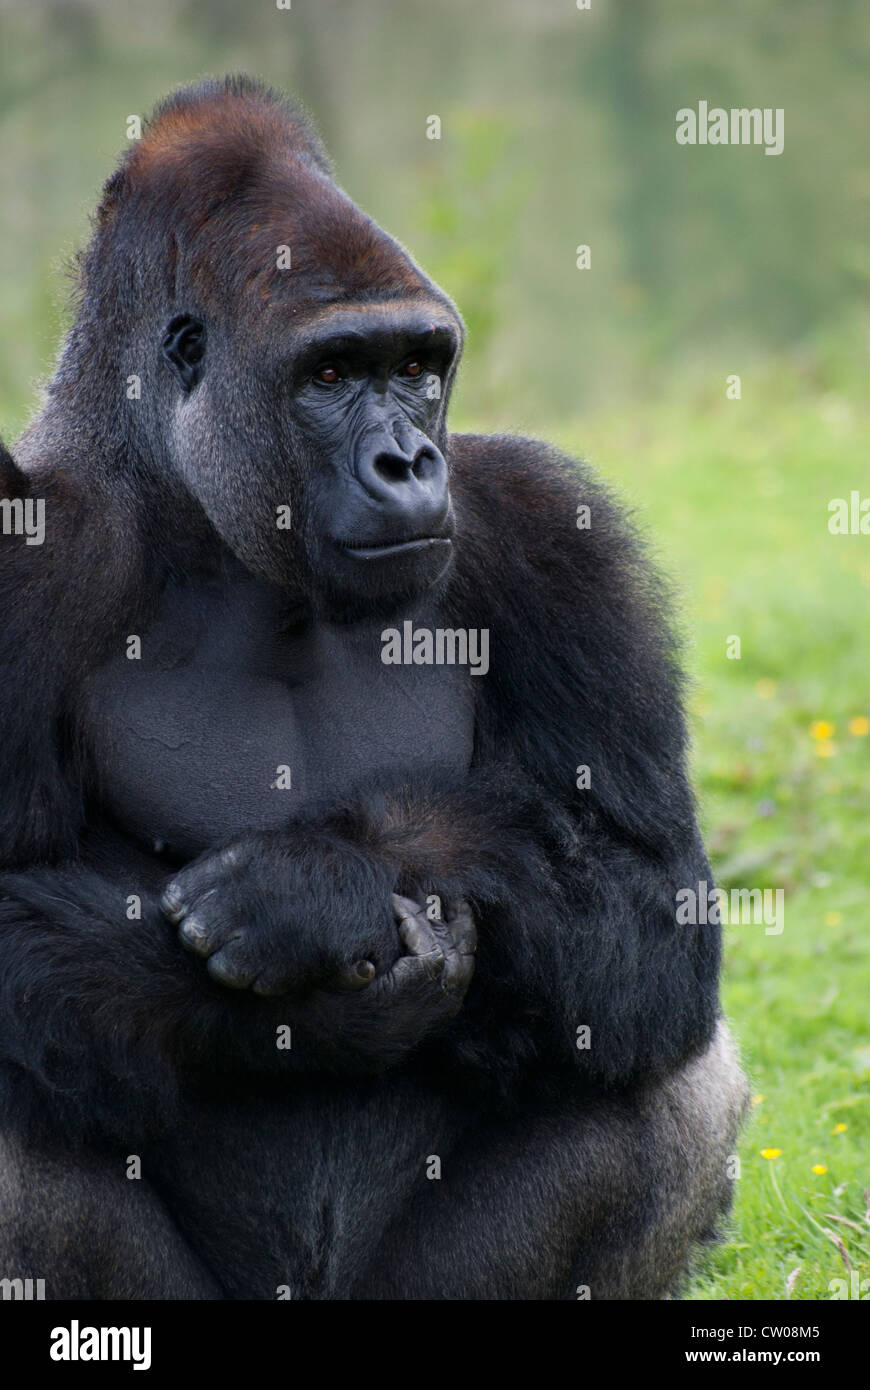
(225, 174)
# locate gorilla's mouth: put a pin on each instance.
(386, 550)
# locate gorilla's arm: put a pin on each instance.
(101, 1017)
(577, 925)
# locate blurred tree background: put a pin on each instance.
(558, 129)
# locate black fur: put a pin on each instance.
(561, 1166)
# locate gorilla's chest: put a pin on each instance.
(225, 723)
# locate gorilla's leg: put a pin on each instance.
(609, 1195)
(79, 1224)
(679, 1152)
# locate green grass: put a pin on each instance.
(734, 495)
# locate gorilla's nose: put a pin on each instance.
(408, 483)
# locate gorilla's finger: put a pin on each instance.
(227, 969)
(463, 929)
(458, 970)
(182, 894)
(354, 977)
(404, 907)
(196, 935)
(173, 904)
(421, 940)
(205, 927)
(414, 972)
(460, 942)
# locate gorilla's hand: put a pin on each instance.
(434, 975)
(400, 1006)
(277, 913)
(282, 914)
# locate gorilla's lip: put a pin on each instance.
(385, 550)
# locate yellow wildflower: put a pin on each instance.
(859, 726)
(821, 729)
(771, 1153)
(820, 1167)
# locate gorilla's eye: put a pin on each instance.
(412, 369)
(328, 375)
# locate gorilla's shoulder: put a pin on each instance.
(515, 462)
(511, 488)
(71, 566)
(552, 563)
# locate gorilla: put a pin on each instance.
(344, 802)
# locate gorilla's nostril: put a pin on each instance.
(393, 468)
(423, 464)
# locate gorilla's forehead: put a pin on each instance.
(418, 317)
(301, 237)
(287, 234)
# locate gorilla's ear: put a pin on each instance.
(184, 348)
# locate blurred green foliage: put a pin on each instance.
(557, 129)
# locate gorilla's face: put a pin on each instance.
(368, 394)
(318, 455)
